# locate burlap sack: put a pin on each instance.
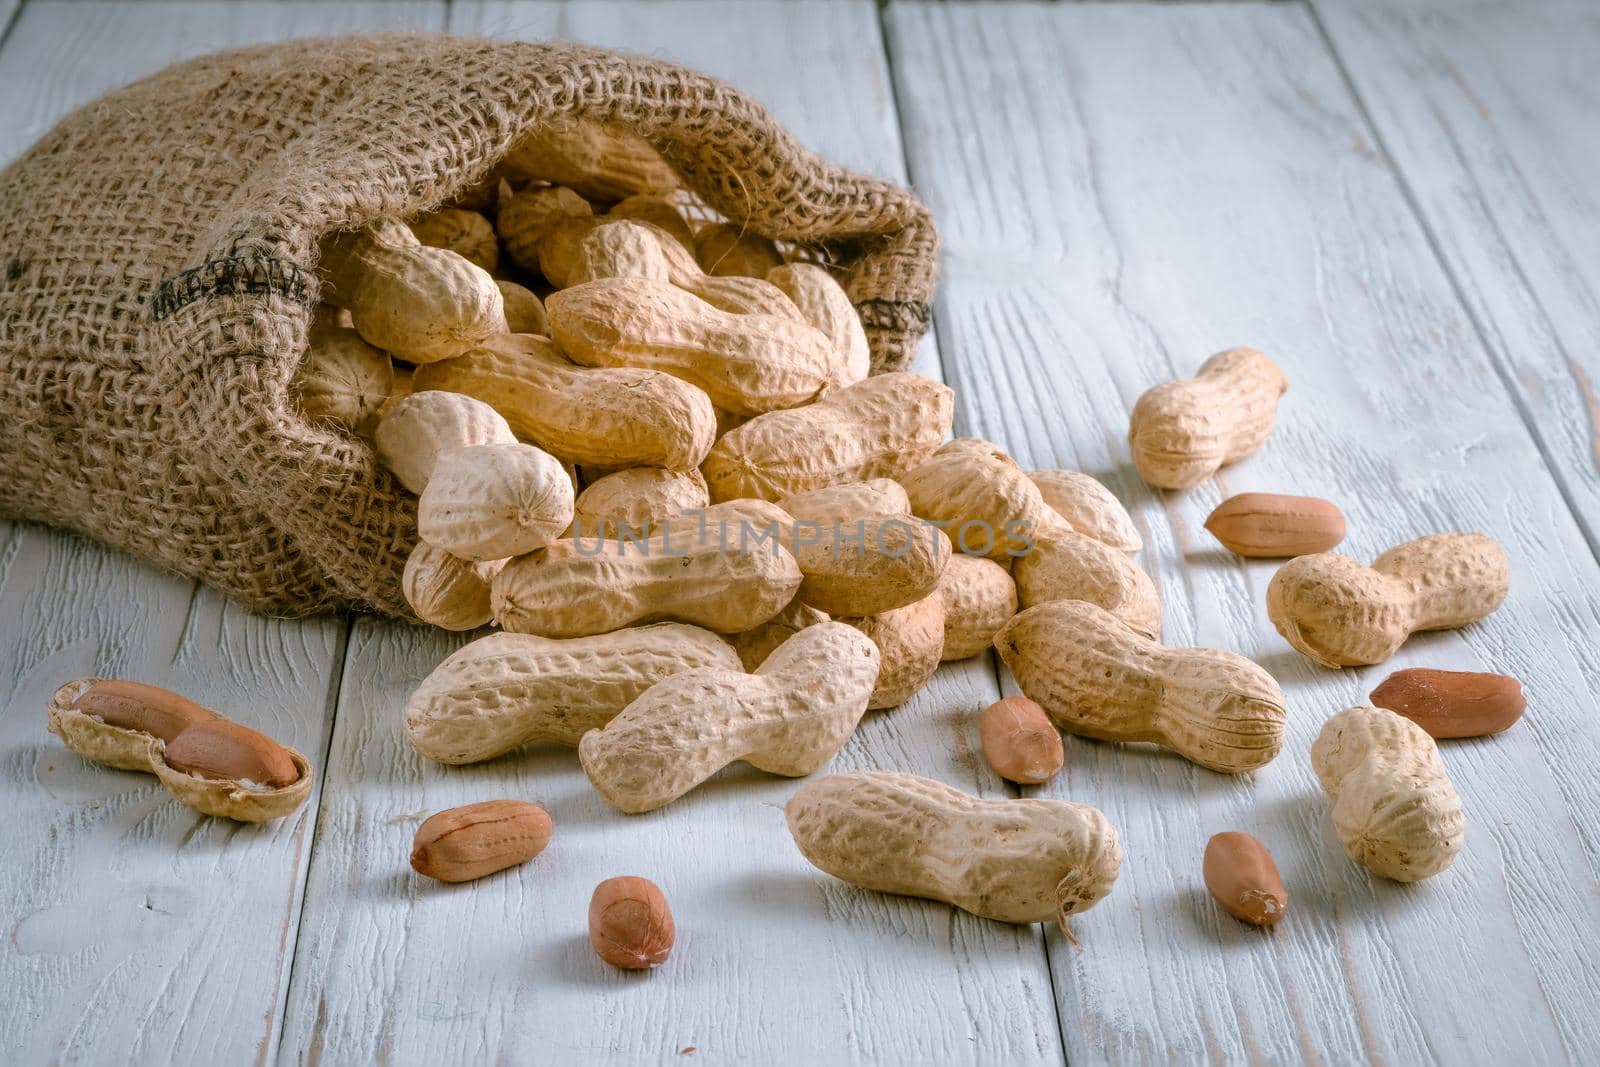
(158, 259)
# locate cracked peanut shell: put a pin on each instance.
(94, 738)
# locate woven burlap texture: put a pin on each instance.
(159, 248)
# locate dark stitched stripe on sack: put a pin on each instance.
(233, 276)
(893, 314)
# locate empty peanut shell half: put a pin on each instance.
(1272, 526)
(1453, 703)
(210, 763)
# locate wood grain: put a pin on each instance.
(1491, 112)
(1123, 189)
(774, 961)
(136, 929)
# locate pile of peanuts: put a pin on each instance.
(651, 454)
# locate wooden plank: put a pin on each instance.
(774, 961)
(137, 930)
(1491, 111)
(1122, 190)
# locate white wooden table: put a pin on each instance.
(1399, 201)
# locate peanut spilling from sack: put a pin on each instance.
(447, 591)
(467, 233)
(756, 644)
(1342, 614)
(848, 501)
(747, 364)
(910, 643)
(417, 302)
(605, 417)
(711, 537)
(422, 426)
(991, 508)
(879, 428)
(870, 564)
(726, 249)
(1066, 565)
(979, 597)
(507, 690)
(979, 496)
(1089, 508)
(636, 501)
(598, 161)
(717, 570)
(788, 718)
(210, 763)
(489, 502)
(343, 379)
(624, 248)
